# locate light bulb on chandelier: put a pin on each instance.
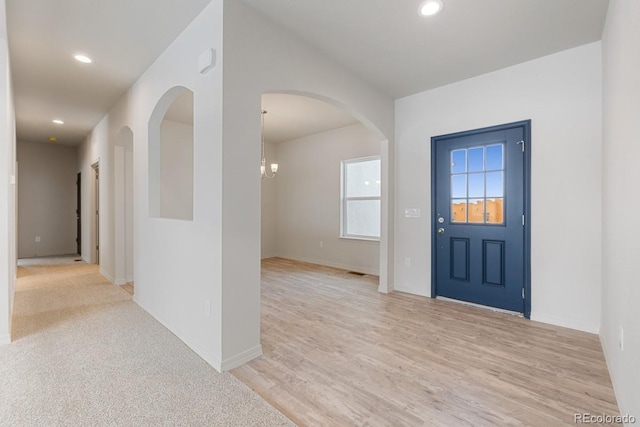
(263, 160)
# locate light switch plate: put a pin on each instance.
(412, 213)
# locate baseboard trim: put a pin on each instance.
(205, 355)
(265, 256)
(109, 277)
(412, 291)
(565, 323)
(242, 358)
(129, 279)
(358, 269)
(484, 307)
(612, 374)
(5, 339)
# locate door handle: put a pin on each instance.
(440, 230)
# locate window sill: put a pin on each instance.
(362, 239)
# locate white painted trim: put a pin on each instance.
(109, 277)
(607, 360)
(331, 264)
(129, 279)
(592, 328)
(269, 255)
(408, 290)
(486, 307)
(242, 358)
(5, 339)
(207, 356)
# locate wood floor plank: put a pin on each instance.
(337, 352)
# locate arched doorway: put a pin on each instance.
(312, 230)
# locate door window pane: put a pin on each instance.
(494, 211)
(476, 159)
(477, 185)
(495, 184)
(476, 210)
(459, 210)
(495, 158)
(458, 186)
(458, 161)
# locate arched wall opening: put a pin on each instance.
(123, 206)
(309, 229)
(171, 173)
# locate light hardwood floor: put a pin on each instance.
(337, 352)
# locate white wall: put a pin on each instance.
(269, 207)
(561, 94)
(621, 230)
(176, 170)
(46, 199)
(261, 57)
(308, 199)
(7, 187)
(177, 263)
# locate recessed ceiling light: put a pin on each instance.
(58, 122)
(431, 7)
(53, 139)
(83, 58)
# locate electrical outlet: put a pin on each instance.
(207, 308)
(321, 244)
(37, 239)
(407, 262)
(621, 340)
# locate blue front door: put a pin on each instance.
(479, 217)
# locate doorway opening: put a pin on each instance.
(95, 230)
(311, 139)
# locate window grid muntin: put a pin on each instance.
(461, 207)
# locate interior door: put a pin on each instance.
(480, 198)
(96, 206)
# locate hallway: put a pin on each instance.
(84, 353)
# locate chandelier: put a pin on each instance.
(263, 160)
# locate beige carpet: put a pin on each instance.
(85, 354)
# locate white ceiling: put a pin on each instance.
(122, 36)
(396, 49)
(292, 116)
(384, 41)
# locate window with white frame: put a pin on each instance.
(360, 195)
